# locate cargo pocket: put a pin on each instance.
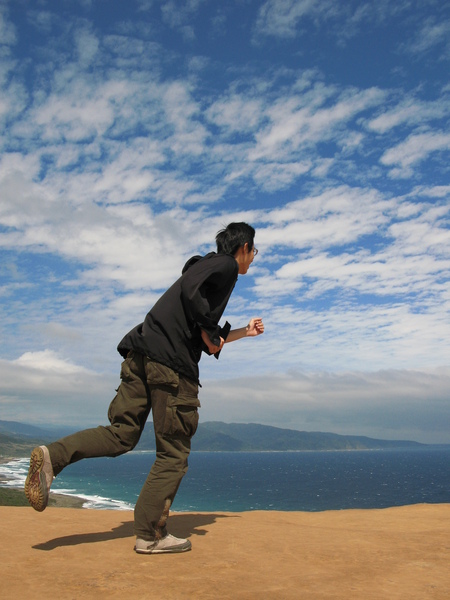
(181, 419)
(174, 401)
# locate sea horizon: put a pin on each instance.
(267, 480)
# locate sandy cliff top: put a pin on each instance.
(389, 554)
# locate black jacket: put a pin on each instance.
(170, 333)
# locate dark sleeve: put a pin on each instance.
(206, 288)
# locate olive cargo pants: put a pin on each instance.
(145, 385)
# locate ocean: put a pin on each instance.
(244, 481)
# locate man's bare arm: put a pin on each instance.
(255, 327)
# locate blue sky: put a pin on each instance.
(131, 132)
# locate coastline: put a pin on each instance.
(236, 483)
(15, 496)
(12, 494)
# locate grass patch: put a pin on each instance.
(14, 497)
(11, 497)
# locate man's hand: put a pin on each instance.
(255, 327)
(211, 347)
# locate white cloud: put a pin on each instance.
(81, 112)
(291, 18)
(43, 388)
(48, 362)
(87, 45)
(328, 219)
(274, 176)
(432, 33)
(413, 250)
(390, 404)
(387, 404)
(301, 120)
(176, 14)
(236, 113)
(436, 191)
(8, 35)
(42, 20)
(280, 18)
(410, 112)
(416, 148)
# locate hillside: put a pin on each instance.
(17, 439)
(254, 437)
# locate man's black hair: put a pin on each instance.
(235, 235)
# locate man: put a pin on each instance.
(160, 373)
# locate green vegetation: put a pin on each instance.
(215, 436)
(11, 497)
(14, 446)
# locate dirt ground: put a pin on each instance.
(389, 554)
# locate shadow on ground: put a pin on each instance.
(180, 525)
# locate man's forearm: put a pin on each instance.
(255, 327)
(236, 334)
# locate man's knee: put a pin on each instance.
(126, 436)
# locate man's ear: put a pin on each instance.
(243, 248)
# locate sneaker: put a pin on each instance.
(168, 544)
(39, 478)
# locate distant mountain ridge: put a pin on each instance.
(255, 437)
(17, 439)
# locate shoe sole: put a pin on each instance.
(36, 483)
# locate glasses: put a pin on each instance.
(255, 251)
